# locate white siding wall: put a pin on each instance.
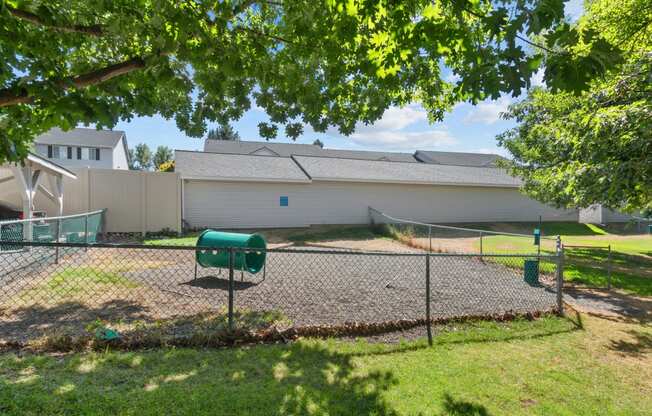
(105, 162)
(119, 156)
(251, 205)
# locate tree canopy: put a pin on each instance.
(162, 157)
(225, 132)
(324, 64)
(142, 157)
(578, 150)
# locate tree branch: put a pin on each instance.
(266, 35)
(10, 96)
(93, 30)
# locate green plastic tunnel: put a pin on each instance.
(251, 261)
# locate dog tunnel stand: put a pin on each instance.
(212, 251)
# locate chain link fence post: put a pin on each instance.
(560, 276)
(428, 320)
(481, 252)
(56, 239)
(86, 232)
(231, 287)
(609, 267)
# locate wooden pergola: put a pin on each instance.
(37, 174)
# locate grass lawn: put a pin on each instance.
(293, 235)
(578, 366)
(631, 255)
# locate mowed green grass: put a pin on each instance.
(549, 366)
(631, 255)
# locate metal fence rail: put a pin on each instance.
(437, 237)
(77, 228)
(131, 285)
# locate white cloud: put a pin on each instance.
(487, 112)
(396, 118)
(389, 132)
(401, 140)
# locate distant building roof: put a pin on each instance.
(81, 137)
(351, 170)
(257, 168)
(234, 167)
(299, 149)
(457, 158)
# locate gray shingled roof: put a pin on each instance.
(350, 170)
(291, 149)
(232, 167)
(81, 137)
(457, 158)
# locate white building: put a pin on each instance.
(260, 184)
(79, 148)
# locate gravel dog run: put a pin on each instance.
(334, 288)
(327, 287)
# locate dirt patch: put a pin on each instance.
(450, 245)
(609, 303)
(377, 244)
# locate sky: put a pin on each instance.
(467, 128)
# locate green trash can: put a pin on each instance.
(649, 229)
(531, 272)
(251, 261)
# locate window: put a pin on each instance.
(53, 151)
(94, 153)
(284, 201)
(69, 152)
(79, 153)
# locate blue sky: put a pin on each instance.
(466, 128)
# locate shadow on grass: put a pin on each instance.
(600, 302)
(640, 345)
(31, 322)
(455, 407)
(301, 378)
(598, 278)
(623, 261)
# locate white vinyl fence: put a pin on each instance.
(135, 201)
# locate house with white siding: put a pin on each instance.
(84, 148)
(261, 184)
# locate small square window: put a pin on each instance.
(284, 201)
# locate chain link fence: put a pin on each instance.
(131, 287)
(79, 228)
(440, 238)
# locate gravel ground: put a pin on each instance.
(333, 288)
(328, 288)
